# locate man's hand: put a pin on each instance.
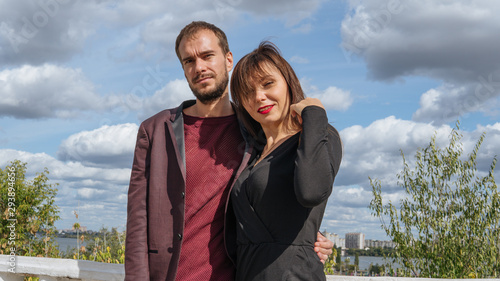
(323, 247)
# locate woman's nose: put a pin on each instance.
(260, 95)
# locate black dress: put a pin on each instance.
(279, 204)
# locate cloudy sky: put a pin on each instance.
(78, 77)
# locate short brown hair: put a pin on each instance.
(194, 27)
(251, 68)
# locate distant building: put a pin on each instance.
(335, 238)
(73, 230)
(379, 244)
(355, 240)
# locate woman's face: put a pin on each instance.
(271, 100)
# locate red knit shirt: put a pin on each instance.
(213, 154)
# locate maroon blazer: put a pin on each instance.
(155, 209)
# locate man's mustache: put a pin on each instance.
(202, 76)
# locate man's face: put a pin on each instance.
(205, 66)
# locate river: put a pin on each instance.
(65, 243)
(364, 262)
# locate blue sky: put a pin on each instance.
(78, 77)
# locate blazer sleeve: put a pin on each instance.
(318, 158)
(136, 244)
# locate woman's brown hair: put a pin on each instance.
(249, 70)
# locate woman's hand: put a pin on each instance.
(296, 109)
(323, 247)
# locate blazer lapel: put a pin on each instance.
(176, 130)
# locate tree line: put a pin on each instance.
(371, 252)
(28, 216)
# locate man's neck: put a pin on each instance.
(219, 108)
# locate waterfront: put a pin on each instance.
(365, 261)
(66, 244)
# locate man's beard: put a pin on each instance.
(209, 97)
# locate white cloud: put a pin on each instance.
(108, 146)
(445, 40)
(298, 59)
(90, 193)
(80, 187)
(374, 151)
(407, 37)
(48, 91)
(55, 30)
(42, 31)
(293, 12)
(490, 147)
(334, 98)
(171, 95)
(449, 101)
(158, 34)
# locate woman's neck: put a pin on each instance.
(274, 132)
(275, 135)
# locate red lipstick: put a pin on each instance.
(265, 109)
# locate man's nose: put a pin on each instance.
(200, 66)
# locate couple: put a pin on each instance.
(211, 189)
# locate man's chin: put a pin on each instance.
(208, 98)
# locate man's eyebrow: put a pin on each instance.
(207, 52)
(201, 54)
(187, 58)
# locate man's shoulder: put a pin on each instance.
(167, 115)
(157, 119)
(163, 115)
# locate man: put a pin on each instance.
(185, 162)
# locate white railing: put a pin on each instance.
(15, 268)
(50, 269)
(385, 278)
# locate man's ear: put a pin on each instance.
(229, 61)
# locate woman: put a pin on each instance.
(280, 198)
